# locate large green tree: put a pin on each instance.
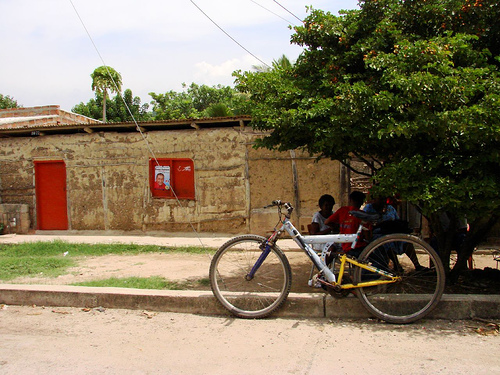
(8, 102)
(104, 79)
(197, 101)
(410, 87)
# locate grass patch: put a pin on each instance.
(51, 259)
(58, 247)
(12, 267)
(153, 282)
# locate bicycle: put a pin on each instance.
(251, 276)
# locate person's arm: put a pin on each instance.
(334, 218)
(314, 228)
(369, 209)
(333, 222)
(394, 212)
(329, 221)
(324, 231)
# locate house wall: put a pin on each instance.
(108, 180)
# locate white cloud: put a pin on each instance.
(210, 74)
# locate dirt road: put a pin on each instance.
(36, 340)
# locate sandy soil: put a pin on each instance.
(174, 267)
(171, 266)
(38, 341)
(177, 267)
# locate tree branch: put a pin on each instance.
(348, 166)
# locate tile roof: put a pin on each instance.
(51, 120)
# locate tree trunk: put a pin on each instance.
(104, 107)
(442, 239)
(478, 231)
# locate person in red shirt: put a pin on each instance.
(349, 224)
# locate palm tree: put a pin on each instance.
(105, 78)
(282, 63)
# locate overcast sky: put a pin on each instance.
(47, 56)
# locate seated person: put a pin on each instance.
(318, 226)
(389, 216)
(349, 224)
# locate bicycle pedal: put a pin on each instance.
(314, 283)
(325, 284)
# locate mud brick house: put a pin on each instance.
(63, 171)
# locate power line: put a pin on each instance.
(270, 11)
(132, 115)
(114, 83)
(288, 11)
(230, 37)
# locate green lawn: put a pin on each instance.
(153, 282)
(51, 259)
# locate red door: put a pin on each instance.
(50, 190)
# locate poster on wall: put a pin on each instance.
(162, 178)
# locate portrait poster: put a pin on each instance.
(162, 178)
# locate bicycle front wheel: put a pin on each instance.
(246, 297)
(421, 278)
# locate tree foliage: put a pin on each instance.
(410, 87)
(116, 111)
(7, 101)
(197, 101)
(104, 79)
(283, 62)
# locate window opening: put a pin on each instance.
(172, 177)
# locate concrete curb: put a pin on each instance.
(298, 305)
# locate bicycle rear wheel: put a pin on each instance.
(421, 278)
(249, 298)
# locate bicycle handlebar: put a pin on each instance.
(274, 203)
(288, 206)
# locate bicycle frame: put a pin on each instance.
(305, 242)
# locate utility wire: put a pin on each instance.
(288, 11)
(133, 118)
(114, 83)
(270, 11)
(230, 37)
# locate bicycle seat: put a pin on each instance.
(365, 216)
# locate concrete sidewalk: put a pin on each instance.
(298, 305)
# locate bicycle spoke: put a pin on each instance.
(418, 289)
(255, 297)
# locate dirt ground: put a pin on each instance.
(63, 340)
(174, 267)
(485, 279)
(37, 340)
